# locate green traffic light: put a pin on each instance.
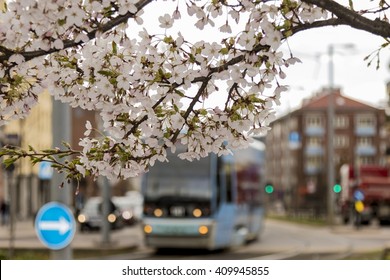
(269, 189)
(337, 188)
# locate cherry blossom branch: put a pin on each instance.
(14, 153)
(192, 104)
(350, 17)
(28, 55)
(141, 85)
(144, 118)
(317, 24)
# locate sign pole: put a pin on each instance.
(60, 189)
(106, 205)
(330, 136)
(12, 209)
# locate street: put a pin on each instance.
(280, 240)
(283, 240)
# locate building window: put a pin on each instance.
(366, 160)
(293, 124)
(365, 120)
(365, 125)
(314, 161)
(341, 121)
(364, 141)
(314, 141)
(314, 120)
(277, 131)
(341, 141)
(313, 164)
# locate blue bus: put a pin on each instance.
(211, 203)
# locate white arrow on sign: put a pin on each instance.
(62, 225)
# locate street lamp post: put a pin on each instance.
(330, 133)
(293, 143)
(61, 129)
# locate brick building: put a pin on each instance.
(296, 154)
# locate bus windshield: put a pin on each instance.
(179, 179)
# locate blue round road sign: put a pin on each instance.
(55, 225)
(358, 195)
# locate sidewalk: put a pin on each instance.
(26, 238)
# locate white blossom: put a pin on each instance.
(226, 28)
(166, 21)
(58, 44)
(88, 126)
(176, 14)
(151, 91)
(127, 6)
(247, 40)
(16, 58)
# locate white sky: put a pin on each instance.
(351, 73)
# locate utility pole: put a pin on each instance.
(106, 210)
(330, 134)
(11, 208)
(61, 130)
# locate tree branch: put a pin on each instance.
(352, 18)
(71, 43)
(201, 90)
(317, 24)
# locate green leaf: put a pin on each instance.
(61, 22)
(203, 112)
(3, 152)
(66, 144)
(224, 51)
(49, 151)
(57, 166)
(35, 160)
(178, 92)
(384, 45)
(114, 47)
(9, 161)
(192, 58)
(106, 73)
(31, 148)
(351, 5)
(168, 39)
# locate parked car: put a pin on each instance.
(90, 217)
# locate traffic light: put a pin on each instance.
(337, 188)
(359, 206)
(269, 188)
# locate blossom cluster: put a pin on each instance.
(151, 90)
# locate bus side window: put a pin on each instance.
(224, 181)
(228, 180)
(219, 180)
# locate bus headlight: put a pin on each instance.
(148, 229)
(203, 230)
(158, 212)
(197, 213)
